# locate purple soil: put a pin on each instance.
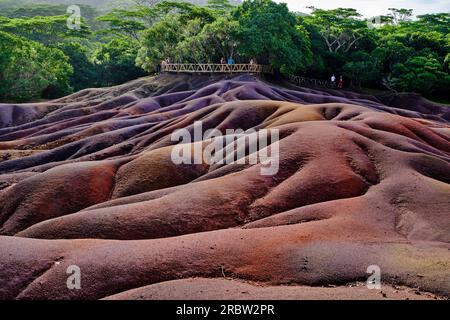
(87, 180)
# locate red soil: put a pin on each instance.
(360, 184)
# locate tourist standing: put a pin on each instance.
(163, 65)
(341, 83)
(252, 65)
(222, 64)
(333, 81)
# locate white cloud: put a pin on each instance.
(370, 8)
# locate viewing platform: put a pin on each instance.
(216, 68)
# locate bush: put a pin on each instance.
(27, 69)
(423, 74)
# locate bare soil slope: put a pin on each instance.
(88, 180)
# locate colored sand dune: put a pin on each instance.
(88, 180)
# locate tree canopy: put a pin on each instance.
(28, 69)
(43, 57)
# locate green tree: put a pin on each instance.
(46, 30)
(447, 61)
(159, 42)
(85, 73)
(319, 68)
(423, 74)
(362, 69)
(28, 70)
(400, 15)
(220, 6)
(269, 32)
(439, 22)
(185, 11)
(341, 28)
(213, 42)
(391, 52)
(128, 23)
(116, 62)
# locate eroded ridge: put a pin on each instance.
(88, 180)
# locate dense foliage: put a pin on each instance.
(402, 54)
(40, 57)
(29, 69)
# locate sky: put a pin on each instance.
(370, 8)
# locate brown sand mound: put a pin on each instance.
(230, 289)
(92, 184)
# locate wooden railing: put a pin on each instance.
(308, 82)
(238, 68)
(215, 68)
